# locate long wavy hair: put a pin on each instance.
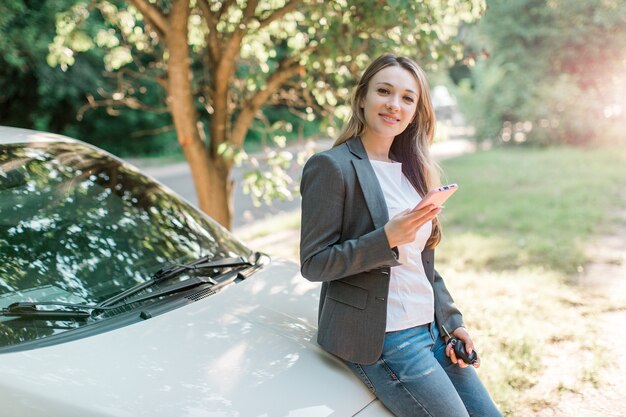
(412, 146)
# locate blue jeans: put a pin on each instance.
(414, 377)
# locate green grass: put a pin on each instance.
(529, 207)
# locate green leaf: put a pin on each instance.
(118, 57)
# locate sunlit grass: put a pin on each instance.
(527, 324)
(529, 207)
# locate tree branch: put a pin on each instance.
(225, 6)
(278, 13)
(179, 87)
(249, 12)
(213, 36)
(151, 132)
(225, 67)
(286, 69)
(234, 43)
(111, 103)
(153, 16)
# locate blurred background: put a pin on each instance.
(530, 97)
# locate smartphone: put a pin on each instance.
(437, 196)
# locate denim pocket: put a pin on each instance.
(434, 333)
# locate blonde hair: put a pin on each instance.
(412, 146)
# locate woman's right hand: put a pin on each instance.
(402, 227)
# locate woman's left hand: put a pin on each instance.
(462, 335)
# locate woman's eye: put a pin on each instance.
(409, 99)
(383, 91)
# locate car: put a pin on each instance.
(119, 298)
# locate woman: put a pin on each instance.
(383, 308)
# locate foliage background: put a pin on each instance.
(532, 71)
(35, 95)
(546, 72)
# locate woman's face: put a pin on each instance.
(390, 103)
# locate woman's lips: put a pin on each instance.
(389, 118)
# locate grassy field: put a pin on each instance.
(515, 239)
(528, 207)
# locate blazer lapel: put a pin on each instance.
(374, 197)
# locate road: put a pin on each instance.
(178, 178)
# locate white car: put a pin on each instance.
(118, 298)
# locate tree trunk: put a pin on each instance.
(210, 175)
(211, 171)
(212, 182)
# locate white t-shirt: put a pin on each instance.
(410, 301)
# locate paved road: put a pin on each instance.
(178, 178)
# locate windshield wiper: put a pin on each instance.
(176, 270)
(84, 311)
(30, 309)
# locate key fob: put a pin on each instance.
(459, 351)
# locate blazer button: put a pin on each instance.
(380, 298)
(384, 272)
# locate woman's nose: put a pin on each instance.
(393, 104)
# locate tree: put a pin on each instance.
(32, 94)
(220, 62)
(555, 71)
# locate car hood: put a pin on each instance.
(249, 350)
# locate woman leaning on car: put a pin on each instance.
(384, 310)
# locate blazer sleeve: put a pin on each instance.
(323, 254)
(448, 315)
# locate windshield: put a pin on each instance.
(77, 225)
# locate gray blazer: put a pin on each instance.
(343, 244)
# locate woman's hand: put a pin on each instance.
(461, 334)
(402, 227)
